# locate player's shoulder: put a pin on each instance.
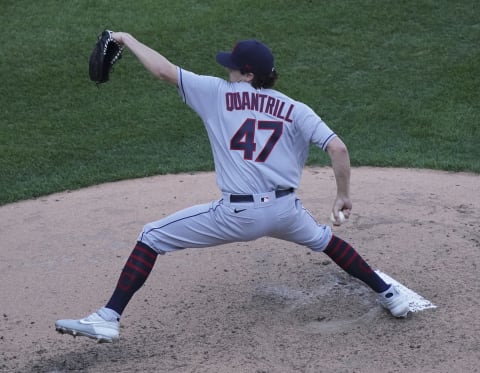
(300, 109)
(192, 78)
(284, 97)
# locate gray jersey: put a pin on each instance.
(259, 137)
(260, 140)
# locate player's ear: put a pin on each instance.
(248, 77)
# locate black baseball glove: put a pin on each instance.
(106, 52)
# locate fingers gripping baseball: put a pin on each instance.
(341, 211)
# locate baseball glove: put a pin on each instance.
(106, 52)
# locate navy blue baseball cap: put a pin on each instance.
(248, 56)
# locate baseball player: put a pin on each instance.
(260, 140)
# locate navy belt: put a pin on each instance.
(235, 198)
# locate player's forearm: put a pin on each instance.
(340, 159)
(341, 170)
(153, 61)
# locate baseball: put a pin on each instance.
(341, 218)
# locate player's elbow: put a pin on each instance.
(337, 149)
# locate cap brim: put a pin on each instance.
(225, 59)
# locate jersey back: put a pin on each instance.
(260, 138)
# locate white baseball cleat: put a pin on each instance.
(395, 301)
(92, 326)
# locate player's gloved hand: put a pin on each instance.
(118, 36)
(106, 52)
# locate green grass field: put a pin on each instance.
(399, 81)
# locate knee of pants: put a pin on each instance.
(149, 238)
(322, 242)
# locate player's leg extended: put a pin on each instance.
(192, 227)
(304, 230)
(198, 226)
(351, 262)
(103, 325)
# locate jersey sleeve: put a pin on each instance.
(313, 128)
(199, 92)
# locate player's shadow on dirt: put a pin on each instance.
(85, 359)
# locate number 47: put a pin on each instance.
(244, 138)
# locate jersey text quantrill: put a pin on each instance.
(258, 102)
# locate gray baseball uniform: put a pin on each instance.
(259, 140)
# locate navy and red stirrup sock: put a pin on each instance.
(137, 268)
(351, 262)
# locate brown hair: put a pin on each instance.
(264, 81)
